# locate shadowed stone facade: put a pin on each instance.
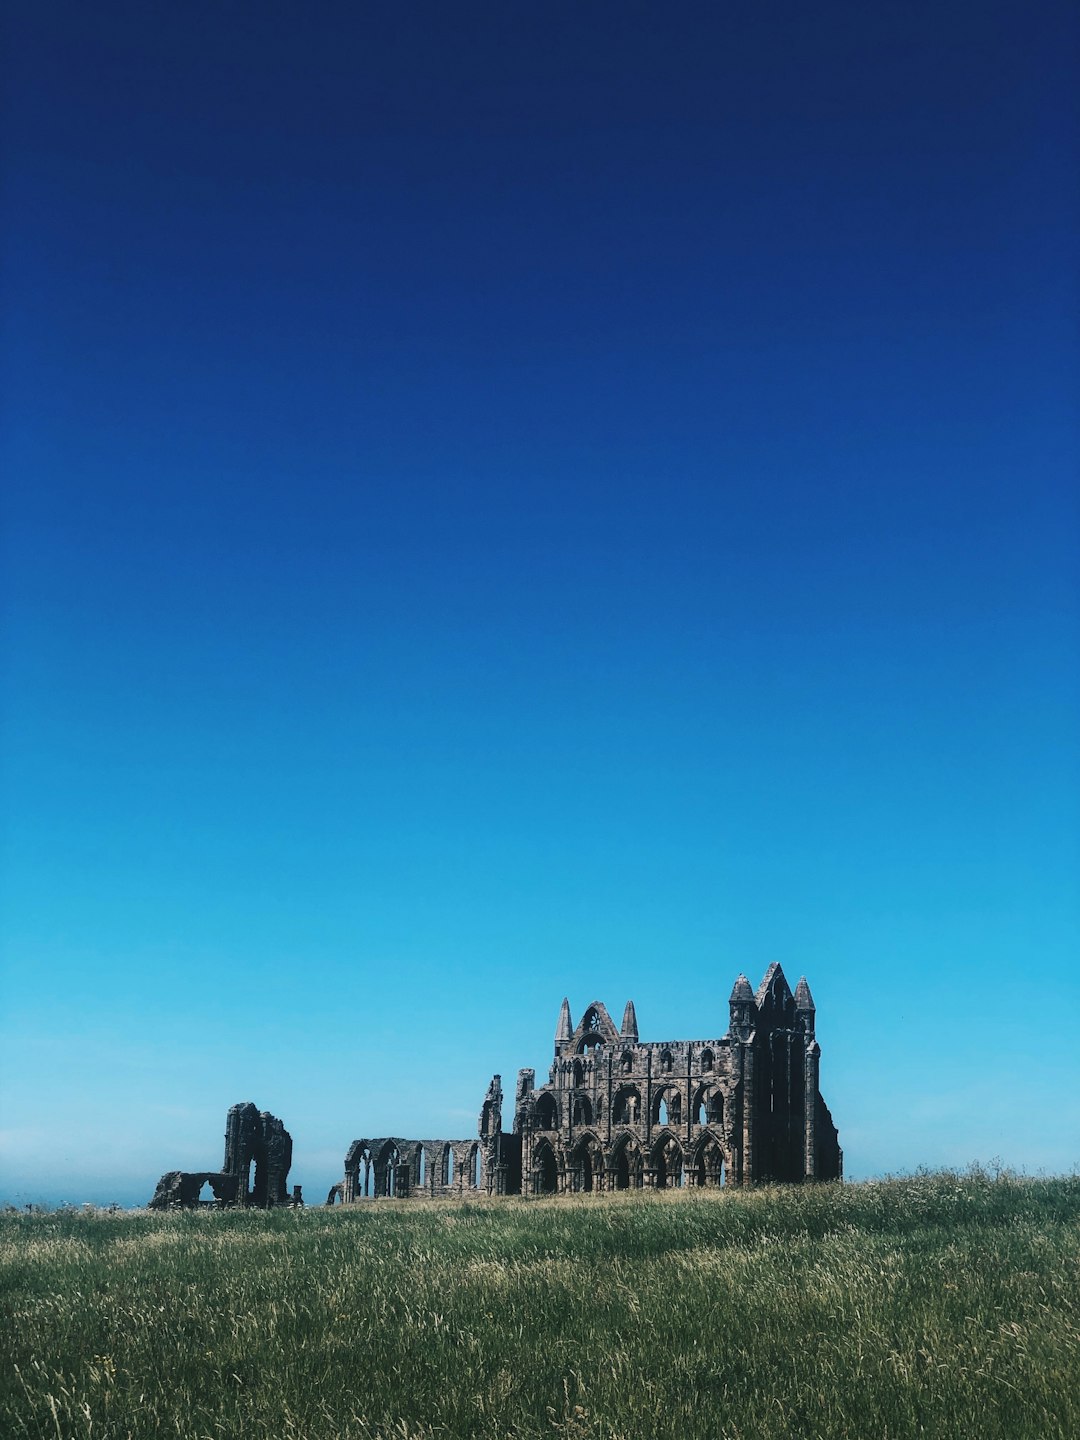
(617, 1113)
(258, 1154)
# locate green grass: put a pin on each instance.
(938, 1306)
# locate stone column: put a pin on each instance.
(748, 1113)
(812, 1068)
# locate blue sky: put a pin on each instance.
(509, 501)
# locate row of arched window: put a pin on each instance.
(667, 1108)
(706, 1062)
(378, 1174)
(666, 1165)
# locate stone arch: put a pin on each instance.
(546, 1111)
(708, 1162)
(545, 1169)
(667, 1106)
(387, 1161)
(626, 1064)
(706, 1061)
(666, 1062)
(587, 1164)
(625, 1166)
(592, 1030)
(626, 1105)
(470, 1170)
(667, 1162)
(579, 1073)
(447, 1166)
(708, 1107)
(359, 1172)
(420, 1168)
(582, 1110)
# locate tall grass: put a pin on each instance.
(938, 1306)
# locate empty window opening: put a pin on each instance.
(627, 1106)
(547, 1174)
(546, 1113)
(668, 1165)
(364, 1175)
(389, 1161)
(584, 1171)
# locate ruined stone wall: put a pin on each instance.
(255, 1172)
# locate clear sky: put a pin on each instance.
(509, 500)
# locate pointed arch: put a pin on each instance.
(626, 1167)
(667, 1162)
(582, 1110)
(587, 1164)
(387, 1161)
(545, 1169)
(667, 1106)
(546, 1111)
(708, 1107)
(626, 1105)
(359, 1183)
(708, 1162)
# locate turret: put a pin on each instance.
(629, 1023)
(742, 1009)
(804, 1007)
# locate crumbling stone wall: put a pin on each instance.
(255, 1172)
(618, 1114)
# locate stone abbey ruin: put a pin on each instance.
(616, 1113)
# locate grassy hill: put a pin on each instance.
(941, 1305)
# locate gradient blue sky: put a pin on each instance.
(513, 500)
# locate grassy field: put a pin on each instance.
(940, 1305)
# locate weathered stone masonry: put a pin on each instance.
(258, 1154)
(619, 1114)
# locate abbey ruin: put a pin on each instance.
(616, 1113)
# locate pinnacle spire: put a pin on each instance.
(629, 1022)
(565, 1029)
(741, 992)
(803, 999)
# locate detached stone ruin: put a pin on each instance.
(617, 1113)
(258, 1154)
